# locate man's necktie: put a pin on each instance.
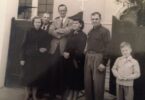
(61, 23)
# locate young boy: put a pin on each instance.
(125, 69)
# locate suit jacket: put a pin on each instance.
(57, 30)
(46, 27)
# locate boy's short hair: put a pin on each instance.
(125, 44)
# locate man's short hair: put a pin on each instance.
(125, 44)
(96, 13)
(62, 5)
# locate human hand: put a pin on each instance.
(58, 36)
(66, 55)
(60, 31)
(22, 62)
(120, 77)
(101, 68)
(42, 50)
(124, 78)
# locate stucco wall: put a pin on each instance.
(8, 9)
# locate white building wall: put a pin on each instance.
(105, 7)
(8, 9)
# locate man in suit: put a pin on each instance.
(45, 26)
(59, 29)
(46, 21)
(43, 90)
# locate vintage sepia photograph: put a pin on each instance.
(72, 50)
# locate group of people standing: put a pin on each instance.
(53, 57)
(59, 59)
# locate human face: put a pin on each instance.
(37, 23)
(126, 51)
(45, 18)
(62, 11)
(96, 20)
(76, 25)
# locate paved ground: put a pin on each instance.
(18, 94)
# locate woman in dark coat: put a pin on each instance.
(74, 60)
(34, 57)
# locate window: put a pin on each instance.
(45, 6)
(26, 8)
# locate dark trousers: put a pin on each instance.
(94, 79)
(57, 74)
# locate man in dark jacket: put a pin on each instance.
(96, 59)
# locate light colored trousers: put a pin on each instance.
(124, 92)
(94, 79)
